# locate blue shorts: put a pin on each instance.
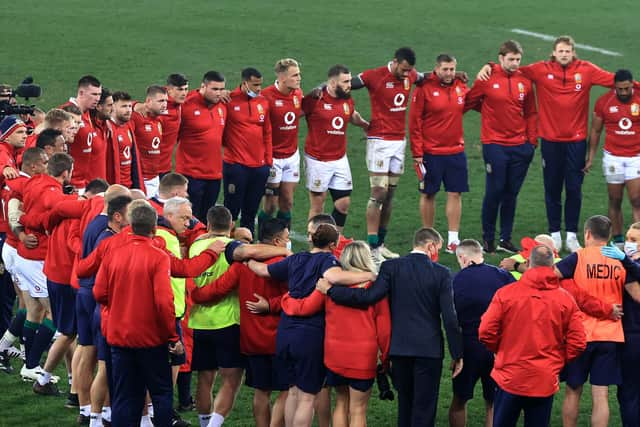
(266, 372)
(103, 351)
(600, 362)
(63, 307)
(85, 308)
(335, 380)
(478, 363)
(301, 350)
(216, 348)
(178, 359)
(450, 169)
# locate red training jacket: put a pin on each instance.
(528, 364)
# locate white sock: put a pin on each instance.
(7, 340)
(85, 410)
(22, 352)
(571, 235)
(106, 413)
(204, 419)
(453, 237)
(145, 421)
(150, 409)
(44, 378)
(96, 420)
(216, 420)
(556, 235)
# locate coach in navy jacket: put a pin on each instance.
(419, 293)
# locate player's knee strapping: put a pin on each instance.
(379, 181)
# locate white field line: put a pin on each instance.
(548, 37)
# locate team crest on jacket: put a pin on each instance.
(160, 128)
(296, 102)
(220, 112)
(407, 85)
(458, 91)
(578, 78)
(635, 109)
(260, 109)
(346, 108)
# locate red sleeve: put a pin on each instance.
(89, 265)
(306, 306)
(5, 161)
(192, 267)
(490, 324)
(529, 71)
(74, 240)
(219, 288)
(601, 77)
(101, 286)
(576, 340)
(531, 116)
(598, 108)
(474, 98)
(383, 328)
(163, 298)
(415, 123)
(267, 137)
(589, 304)
(365, 76)
(308, 104)
(275, 303)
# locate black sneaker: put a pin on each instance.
(72, 401)
(5, 362)
(83, 420)
(49, 389)
(186, 407)
(507, 246)
(488, 247)
(176, 421)
(106, 423)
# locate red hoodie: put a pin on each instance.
(508, 108)
(257, 332)
(535, 328)
(247, 136)
(170, 127)
(352, 336)
(143, 314)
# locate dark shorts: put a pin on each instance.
(102, 348)
(478, 363)
(334, 380)
(600, 362)
(448, 169)
(217, 348)
(85, 308)
(63, 307)
(178, 359)
(266, 372)
(301, 350)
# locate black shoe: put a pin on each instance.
(488, 247)
(72, 401)
(176, 421)
(49, 389)
(186, 408)
(5, 363)
(106, 423)
(83, 420)
(507, 246)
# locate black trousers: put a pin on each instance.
(417, 380)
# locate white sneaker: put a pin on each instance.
(33, 374)
(572, 244)
(557, 242)
(388, 254)
(13, 352)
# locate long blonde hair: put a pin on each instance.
(356, 256)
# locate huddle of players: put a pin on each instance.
(132, 144)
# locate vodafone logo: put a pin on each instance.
(89, 139)
(289, 118)
(625, 123)
(337, 122)
(155, 142)
(399, 99)
(126, 152)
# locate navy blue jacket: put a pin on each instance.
(419, 292)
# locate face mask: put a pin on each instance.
(250, 93)
(630, 248)
(289, 245)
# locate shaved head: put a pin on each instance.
(546, 240)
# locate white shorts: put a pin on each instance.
(152, 185)
(385, 156)
(618, 169)
(285, 170)
(334, 174)
(10, 258)
(30, 273)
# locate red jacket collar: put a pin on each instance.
(543, 278)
